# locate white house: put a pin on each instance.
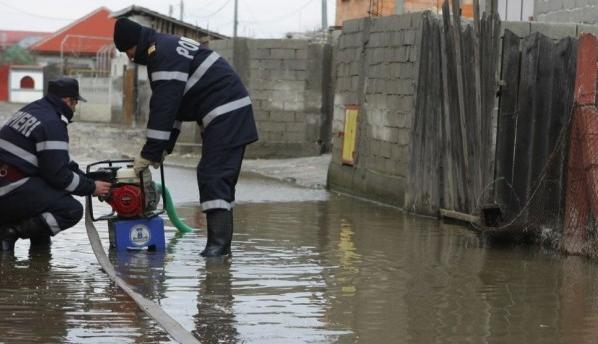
(26, 84)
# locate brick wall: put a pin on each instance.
(408, 6)
(353, 9)
(376, 67)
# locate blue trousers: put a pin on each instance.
(217, 175)
(35, 197)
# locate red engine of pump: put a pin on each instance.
(126, 200)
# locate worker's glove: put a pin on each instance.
(140, 164)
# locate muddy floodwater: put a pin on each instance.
(308, 267)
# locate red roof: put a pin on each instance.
(8, 38)
(85, 36)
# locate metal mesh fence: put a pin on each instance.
(581, 210)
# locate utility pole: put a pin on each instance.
(182, 10)
(324, 15)
(170, 10)
(236, 19)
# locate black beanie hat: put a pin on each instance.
(126, 34)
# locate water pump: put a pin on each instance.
(134, 222)
(131, 196)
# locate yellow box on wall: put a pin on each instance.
(350, 135)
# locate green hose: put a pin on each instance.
(172, 215)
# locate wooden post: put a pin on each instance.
(448, 162)
(459, 60)
(129, 96)
(480, 116)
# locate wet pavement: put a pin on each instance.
(308, 267)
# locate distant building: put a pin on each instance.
(20, 84)
(165, 24)
(80, 46)
(516, 9)
(352, 9)
(25, 83)
(21, 38)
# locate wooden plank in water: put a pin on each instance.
(455, 215)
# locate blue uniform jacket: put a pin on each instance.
(190, 82)
(35, 140)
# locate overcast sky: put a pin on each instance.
(257, 18)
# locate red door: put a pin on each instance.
(4, 83)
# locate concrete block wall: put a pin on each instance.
(566, 11)
(97, 92)
(285, 79)
(377, 68)
(224, 48)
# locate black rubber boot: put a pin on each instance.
(220, 233)
(34, 227)
(41, 241)
(227, 249)
(7, 245)
(8, 237)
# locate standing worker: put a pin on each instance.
(192, 83)
(37, 176)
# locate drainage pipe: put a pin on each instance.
(170, 210)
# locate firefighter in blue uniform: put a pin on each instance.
(192, 83)
(37, 176)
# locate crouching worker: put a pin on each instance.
(37, 176)
(191, 83)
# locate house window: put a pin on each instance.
(27, 82)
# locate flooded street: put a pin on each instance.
(308, 267)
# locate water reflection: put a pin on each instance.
(144, 270)
(215, 302)
(37, 300)
(337, 270)
(349, 259)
